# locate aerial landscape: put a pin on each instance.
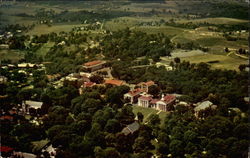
(124, 79)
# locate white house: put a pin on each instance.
(133, 95)
(28, 104)
(165, 102)
(144, 101)
(203, 106)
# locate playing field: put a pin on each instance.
(229, 62)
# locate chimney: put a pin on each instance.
(162, 97)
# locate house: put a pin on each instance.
(133, 95)
(6, 151)
(144, 101)
(153, 103)
(26, 65)
(53, 77)
(7, 117)
(28, 105)
(203, 106)
(114, 82)
(131, 128)
(94, 65)
(4, 46)
(165, 103)
(3, 79)
(167, 67)
(50, 150)
(145, 85)
(24, 155)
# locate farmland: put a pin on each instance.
(150, 18)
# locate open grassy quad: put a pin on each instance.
(148, 111)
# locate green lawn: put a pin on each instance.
(148, 111)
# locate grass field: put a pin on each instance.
(45, 48)
(148, 111)
(231, 62)
(218, 20)
(44, 29)
(13, 55)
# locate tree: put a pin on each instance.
(154, 120)
(242, 67)
(156, 58)
(140, 117)
(177, 60)
(226, 50)
(112, 126)
(96, 79)
(216, 146)
(109, 152)
(176, 148)
(162, 148)
(154, 90)
(141, 145)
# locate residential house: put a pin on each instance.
(145, 85)
(28, 105)
(86, 85)
(114, 82)
(53, 77)
(26, 65)
(165, 103)
(4, 46)
(50, 150)
(6, 117)
(3, 79)
(94, 65)
(133, 95)
(206, 105)
(167, 67)
(6, 151)
(24, 155)
(144, 101)
(131, 128)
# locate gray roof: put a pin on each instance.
(131, 128)
(34, 104)
(203, 106)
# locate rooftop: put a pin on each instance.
(203, 105)
(34, 104)
(149, 83)
(145, 98)
(92, 63)
(131, 128)
(169, 98)
(114, 82)
(135, 92)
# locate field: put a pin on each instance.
(13, 55)
(218, 20)
(44, 29)
(217, 61)
(139, 13)
(148, 111)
